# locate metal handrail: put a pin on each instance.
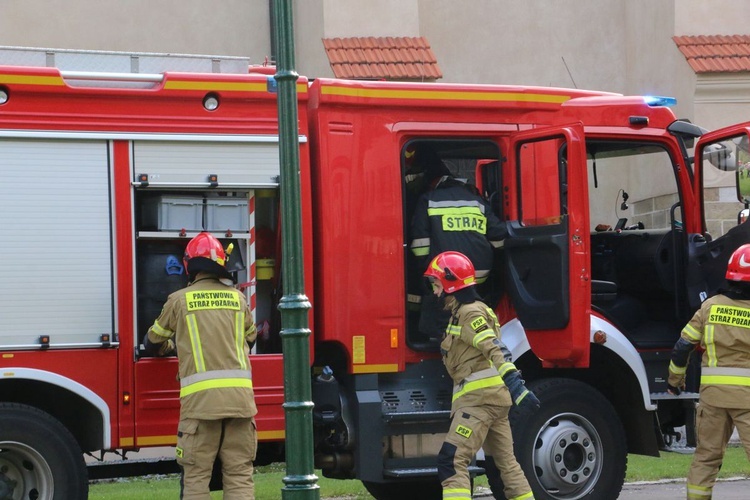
(112, 77)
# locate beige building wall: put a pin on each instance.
(222, 27)
(712, 17)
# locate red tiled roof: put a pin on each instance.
(716, 53)
(391, 58)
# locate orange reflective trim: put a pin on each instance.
(271, 435)
(157, 440)
(445, 95)
(390, 368)
(32, 80)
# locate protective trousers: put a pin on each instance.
(472, 428)
(234, 440)
(713, 429)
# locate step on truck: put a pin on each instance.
(106, 176)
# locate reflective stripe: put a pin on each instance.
(448, 205)
(466, 388)
(691, 332)
(695, 491)
(482, 374)
(483, 336)
(414, 299)
(456, 211)
(505, 368)
(195, 343)
(497, 243)
(486, 373)
(520, 398)
(677, 370)
(710, 346)
(457, 493)
(239, 338)
(525, 496)
(215, 375)
(420, 246)
(726, 371)
(491, 314)
(216, 384)
(160, 331)
(724, 380)
(481, 273)
(453, 330)
(478, 380)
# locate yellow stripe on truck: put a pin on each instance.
(446, 95)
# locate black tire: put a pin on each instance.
(39, 458)
(572, 448)
(405, 490)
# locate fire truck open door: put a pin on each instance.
(726, 150)
(546, 251)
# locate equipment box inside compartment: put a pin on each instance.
(224, 214)
(173, 213)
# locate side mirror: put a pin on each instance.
(742, 216)
(721, 156)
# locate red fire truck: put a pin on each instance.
(107, 176)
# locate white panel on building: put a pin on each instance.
(55, 251)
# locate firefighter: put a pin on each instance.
(211, 327)
(486, 383)
(722, 328)
(452, 216)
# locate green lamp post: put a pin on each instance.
(300, 481)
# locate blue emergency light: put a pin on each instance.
(655, 100)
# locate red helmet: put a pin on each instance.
(738, 268)
(454, 270)
(205, 246)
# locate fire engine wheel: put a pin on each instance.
(39, 458)
(572, 448)
(405, 490)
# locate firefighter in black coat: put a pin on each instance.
(452, 216)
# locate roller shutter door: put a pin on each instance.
(186, 163)
(55, 248)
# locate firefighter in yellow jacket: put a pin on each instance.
(484, 379)
(211, 327)
(722, 327)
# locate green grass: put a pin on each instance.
(675, 465)
(268, 484)
(268, 480)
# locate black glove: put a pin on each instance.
(674, 391)
(522, 397)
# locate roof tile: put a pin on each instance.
(390, 58)
(716, 53)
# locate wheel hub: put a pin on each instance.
(24, 473)
(7, 485)
(567, 456)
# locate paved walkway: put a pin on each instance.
(729, 489)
